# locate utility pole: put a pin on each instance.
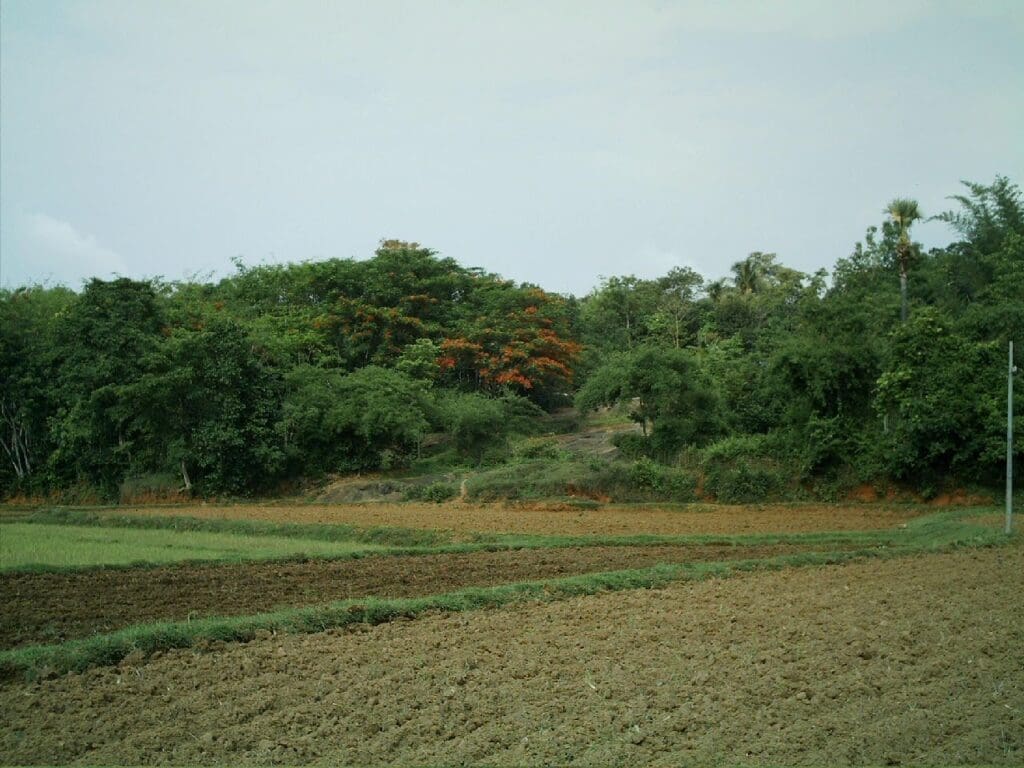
(1011, 369)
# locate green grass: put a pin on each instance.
(225, 541)
(613, 417)
(301, 542)
(385, 536)
(77, 655)
(410, 541)
(24, 545)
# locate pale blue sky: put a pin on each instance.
(552, 142)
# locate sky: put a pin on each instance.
(552, 142)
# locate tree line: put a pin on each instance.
(891, 368)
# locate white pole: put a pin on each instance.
(1009, 443)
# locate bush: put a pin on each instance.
(436, 492)
(747, 468)
(744, 484)
(149, 488)
(532, 449)
(475, 422)
(631, 445)
(735, 447)
(643, 480)
(502, 483)
(665, 482)
(533, 479)
(563, 422)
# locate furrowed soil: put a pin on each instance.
(904, 661)
(52, 607)
(554, 519)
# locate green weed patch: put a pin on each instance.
(384, 536)
(36, 545)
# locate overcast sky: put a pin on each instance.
(552, 142)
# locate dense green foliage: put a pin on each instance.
(894, 371)
(667, 390)
(767, 383)
(273, 374)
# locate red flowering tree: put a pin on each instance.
(524, 348)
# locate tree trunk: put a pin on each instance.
(12, 453)
(185, 477)
(17, 447)
(904, 257)
(903, 294)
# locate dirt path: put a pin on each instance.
(47, 608)
(910, 661)
(596, 441)
(563, 519)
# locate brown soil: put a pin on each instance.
(961, 498)
(958, 497)
(865, 492)
(909, 661)
(52, 607)
(561, 519)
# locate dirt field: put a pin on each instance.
(52, 607)
(563, 519)
(907, 661)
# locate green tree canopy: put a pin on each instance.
(663, 388)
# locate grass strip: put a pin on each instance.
(386, 536)
(452, 549)
(946, 526)
(46, 544)
(433, 540)
(101, 650)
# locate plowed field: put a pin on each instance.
(555, 519)
(51, 607)
(906, 661)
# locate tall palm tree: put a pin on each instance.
(748, 275)
(718, 288)
(903, 212)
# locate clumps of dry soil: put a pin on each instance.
(561, 519)
(53, 607)
(905, 661)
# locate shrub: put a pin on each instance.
(643, 480)
(747, 468)
(501, 483)
(537, 448)
(151, 487)
(563, 422)
(533, 479)
(631, 445)
(436, 492)
(665, 482)
(744, 483)
(475, 422)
